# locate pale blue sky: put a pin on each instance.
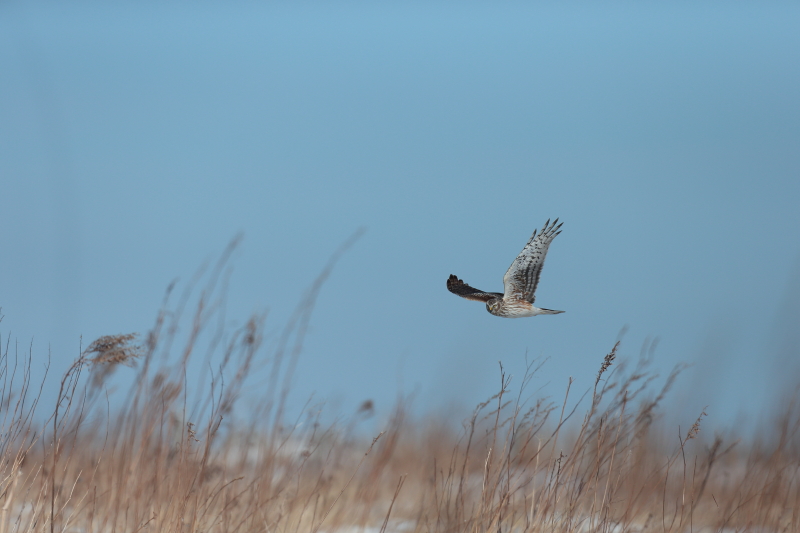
(136, 139)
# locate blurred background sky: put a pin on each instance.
(137, 138)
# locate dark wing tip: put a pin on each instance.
(453, 282)
(551, 229)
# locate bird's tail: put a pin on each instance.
(549, 311)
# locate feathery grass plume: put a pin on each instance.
(695, 429)
(114, 349)
(110, 351)
(609, 358)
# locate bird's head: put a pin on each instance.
(492, 305)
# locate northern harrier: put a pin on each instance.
(519, 282)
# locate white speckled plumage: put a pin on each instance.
(520, 280)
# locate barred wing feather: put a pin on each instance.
(522, 276)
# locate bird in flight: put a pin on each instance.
(519, 282)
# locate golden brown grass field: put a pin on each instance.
(177, 458)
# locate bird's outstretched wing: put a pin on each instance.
(456, 286)
(523, 275)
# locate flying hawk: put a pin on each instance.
(519, 282)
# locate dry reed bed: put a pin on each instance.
(179, 460)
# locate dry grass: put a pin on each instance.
(174, 459)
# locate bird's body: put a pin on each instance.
(519, 282)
